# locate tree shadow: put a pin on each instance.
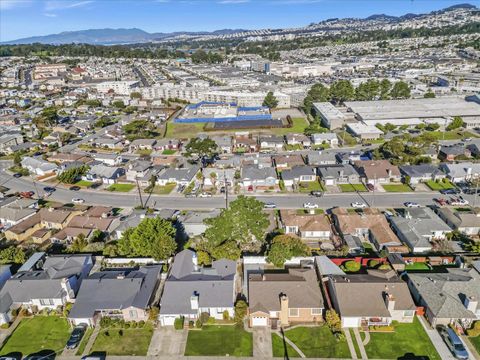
(411, 356)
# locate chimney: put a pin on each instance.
(389, 172)
(69, 293)
(471, 303)
(469, 170)
(390, 302)
(284, 310)
(195, 261)
(194, 301)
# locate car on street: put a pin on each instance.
(269, 206)
(458, 202)
(453, 191)
(26, 194)
(190, 195)
(410, 204)
(49, 189)
(76, 336)
(453, 341)
(317, 193)
(358, 205)
(441, 201)
(74, 188)
(370, 187)
(205, 195)
(309, 205)
(78, 201)
(17, 175)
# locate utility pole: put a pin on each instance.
(139, 194)
(226, 189)
(476, 194)
(374, 185)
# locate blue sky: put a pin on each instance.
(23, 18)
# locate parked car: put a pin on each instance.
(26, 194)
(222, 190)
(74, 188)
(317, 193)
(309, 205)
(441, 201)
(49, 189)
(358, 205)
(453, 342)
(370, 187)
(410, 204)
(17, 175)
(76, 336)
(78, 201)
(458, 202)
(269, 206)
(205, 195)
(453, 191)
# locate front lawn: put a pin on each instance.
(163, 190)
(475, 342)
(120, 187)
(117, 341)
(219, 341)
(298, 127)
(407, 339)
(40, 333)
(83, 183)
(439, 185)
(168, 152)
(397, 188)
(144, 152)
(309, 186)
(281, 349)
(352, 187)
(318, 342)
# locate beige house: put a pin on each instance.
(313, 229)
(283, 299)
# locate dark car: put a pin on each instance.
(316, 193)
(74, 188)
(450, 191)
(49, 189)
(453, 342)
(76, 336)
(17, 175)
(370, 187)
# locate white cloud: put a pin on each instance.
(53, 5)
(50, 15)
(12, 4)
(233, 1)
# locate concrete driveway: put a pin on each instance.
(166, 341)
(262, 342)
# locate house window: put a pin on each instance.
(316, 311)
(291, 229)
(408, 313)
(133, 314)
(46, 302)
(293, 312)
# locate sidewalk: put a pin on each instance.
(436, 340)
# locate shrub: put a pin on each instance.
(5, 326)
(120, 332)
(204, 317)
(373, 263)
(141, 324)
(198, 324)
(178, 324)
(133, 324)
(14, 312)
(475, 330)
(351, 266)
(126, 326)
(226, 315)
(384, 267)
(333, 321)
(211, 320)
(191, 324)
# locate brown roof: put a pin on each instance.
(26, 224)
(71, 232)
(376, 168)
(290, 160)
(68, 157)
(306, 222)
(52, 215)
(299, 285)
(365, 294)
(99, 211)
(89, 222)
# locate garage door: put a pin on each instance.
(329, 182)
(350, 322)
(167, 320)
(259, 321)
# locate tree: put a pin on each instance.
(368, 90)
(432, 127)
(284, 247)
(153, 237)
(333, 321)
(12, 254)
(385, 87)
(429, 94)
(456, 123)
(78, 244)
(342, 90)
(239, 228)
(17, 158)
(70, 176)
(135, 95)
(318, 93)
(270, 101)
(400, 90)
(201, 149)
(118, 104)
(241, 309)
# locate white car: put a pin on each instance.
(309, 205)
(205, 195)
(410, 204)
(269, 206)
(358, 205)
(77, 201)
(458, 202)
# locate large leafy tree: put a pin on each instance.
(12, 254)
(153, 237)
(342, 90)
(240, 228)
(368, 90)
(400, 90)
(70, 176)
(270, 100)
(317, 93)
(284, 247)
(456, 123)
(201, 149)
(385, 87)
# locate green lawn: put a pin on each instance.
(168, 152)
(475, 342)
(115, 341)
(397, 188)
(298, 126)
(182, 131)
(83, 343)
(417, 266)
(164, 190)
(407, 338)
(219, 341)
(439, 185)
(306, 187)
(281, 349)
(120, 187)
(352, 187)
(319, 342)
(452, 135)
(83, 183)
(355, 344)
(145, 152)
(36, 334)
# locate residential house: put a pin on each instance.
(447, 297)
(104, 174)
(370, 225)
(9, 140)
(213, 176)
(191, 290)
(179, 176)
(414, 174)
(298, 174)
(271, 142)
(321, 158)
(44, 282)
(419, 228)
(451, 152)
(467, 222)
(15, 210)
(65, 158)
(126, 294)
(142, 144)
(350, 157)
(168, 144)
(298, 139)
(372, 299)
(378, 171)
(192, 223)
(245, 143)
(461, 172)
(137, 169)
(314, 229)
(330, 139)
(474, 147)
(287, 161)
(253, 177)
(108, 158)
(38, 166)
(224, 143)
(332, 175)
(283, 299)
(108, 143)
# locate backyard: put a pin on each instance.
(318, 342)
(352, 187)
(406, 339)
(397, 188)
(281, 349)
(219, 341)
(439, 185)
(417, 266)
(181, 131)
(118, 341)
(298, 126)
(38, 334)
(120, 187)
